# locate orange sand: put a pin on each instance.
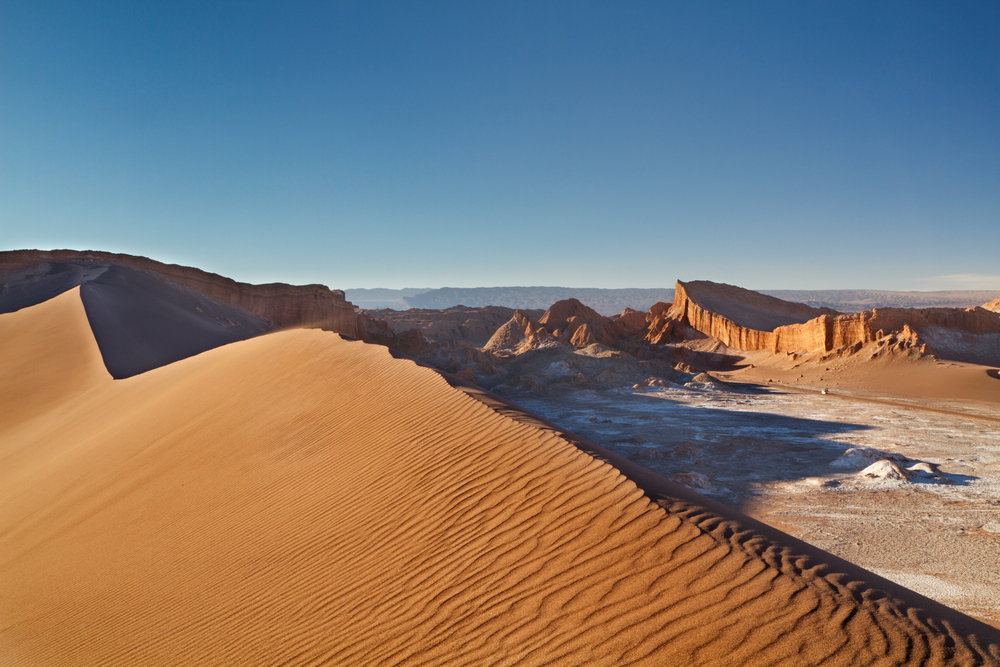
(298, 499)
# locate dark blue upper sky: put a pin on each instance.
(783, 145)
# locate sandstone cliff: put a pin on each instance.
(284, 306)
(971, 334)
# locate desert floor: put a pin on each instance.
(768, 450)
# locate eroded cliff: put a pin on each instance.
(962, 334)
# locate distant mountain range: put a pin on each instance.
(613, 301)
(604, 301)
(856, 300)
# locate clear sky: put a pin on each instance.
(798, 145)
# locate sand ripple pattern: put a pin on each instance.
(297, 499)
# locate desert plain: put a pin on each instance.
(200, 471)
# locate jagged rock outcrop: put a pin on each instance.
(519, 333)
(660, 326)
(285, 306)
(579, 324)
(970, 334)
(586, 334)
(630, 323)
(567, 321)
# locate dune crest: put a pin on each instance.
(296, 498)
(48, 356)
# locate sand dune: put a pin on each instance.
(284, 306)
(141, 319)
(48, 357)
(298, 499)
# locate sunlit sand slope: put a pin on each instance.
(48, 357)
(297, 499)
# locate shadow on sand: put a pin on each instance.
(735, 450)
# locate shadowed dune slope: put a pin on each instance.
(299, 499)
(141, 320)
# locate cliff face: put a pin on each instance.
(749, 309)
(284, 306)
(963, 334)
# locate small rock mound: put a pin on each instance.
(653, 382)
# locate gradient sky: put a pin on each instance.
(798, 145)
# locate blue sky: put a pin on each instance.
(799, 145)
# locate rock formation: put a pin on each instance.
(284, 306)
(745, 320)
(518, 334)
(993, 305)
(660, 326)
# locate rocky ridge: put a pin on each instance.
(704, 329)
